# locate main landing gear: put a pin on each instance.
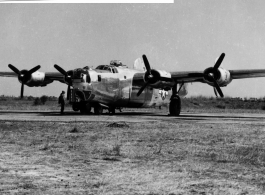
(175, 105)
(175, 101)
(85, 108)
(112, 110)
(98, 109)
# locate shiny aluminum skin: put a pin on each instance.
(118, 88)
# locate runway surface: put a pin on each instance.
(244, 118)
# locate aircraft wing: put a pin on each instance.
(55, 76)
(8, 74)
(242, 74)
(187, 76)
(51, 76)
(197, 76)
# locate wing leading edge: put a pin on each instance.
(243, 74)
(8, 74)
(48, 75)
(187, 76)
(55, 76)
(198, 76)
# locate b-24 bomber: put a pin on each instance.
(117, 86)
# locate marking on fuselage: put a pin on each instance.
(163, 94)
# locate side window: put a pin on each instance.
(115, 70)
(88, 79)
(99, 78)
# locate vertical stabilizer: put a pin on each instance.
(139, 64)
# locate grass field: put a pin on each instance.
(191, 104)
(170, 157)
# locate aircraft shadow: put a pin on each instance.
(184, 116)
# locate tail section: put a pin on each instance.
(139, 64)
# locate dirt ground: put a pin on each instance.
(131, 153)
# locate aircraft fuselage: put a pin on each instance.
(116, 88)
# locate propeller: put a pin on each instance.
(68, 78)
(148, 75)
(151, 76)
(211, 74)
(23, 75)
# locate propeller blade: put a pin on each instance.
(147, 65)
(142, 88)
(68, 92)
(60, 70)
(218, 62)
(218, 88)
(215, 92)
(68, 78)
(14, 69)
(33, 70)
(22, 91)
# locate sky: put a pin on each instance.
(186, 35)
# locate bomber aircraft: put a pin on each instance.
(115, 85)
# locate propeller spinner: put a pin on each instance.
(23, 75)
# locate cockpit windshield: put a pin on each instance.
(82, 74)
(78, 73)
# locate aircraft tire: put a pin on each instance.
(82, 109)
(112, 110)
(175, 106)
(75, 107)
(98, 110)
(88, 108)
(85, 108)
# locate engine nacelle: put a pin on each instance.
(160, 79)
(36, 79)
(223, 77)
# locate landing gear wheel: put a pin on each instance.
(75, 106)
(175, 106)
(98, 109)
(85, 108)
(82, 109)
(88, 108)
(112, 110)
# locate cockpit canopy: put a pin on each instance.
(112, 67)
(108, 68)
